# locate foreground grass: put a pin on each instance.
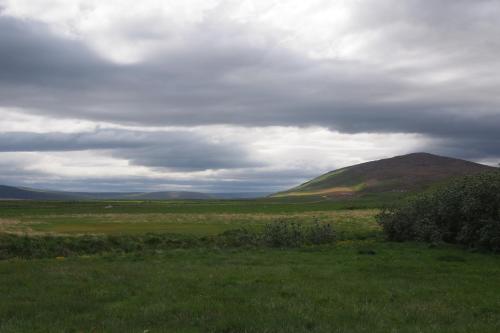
(360, 284)
(398, 288)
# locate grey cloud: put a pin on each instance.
(32, 56)
(13, 173)
(174, 150)
(219, 75)
(99, 139)
(16, 173)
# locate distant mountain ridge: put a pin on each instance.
(23, 193)
(397, 174)
(17, 193)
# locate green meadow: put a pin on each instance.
(359, 283)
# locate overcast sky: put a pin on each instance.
(230, 96)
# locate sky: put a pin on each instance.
(240, 96)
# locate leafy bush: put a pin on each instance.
(284, 234)
(321, 233)
(238, 237)
(292, 234)
(465, 211)
(279, 234)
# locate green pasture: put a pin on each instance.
(362, 283)
(260, 206)
(347, 223)
(396, 288)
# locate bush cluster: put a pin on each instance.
(282, 234)
(276, 234)
(292, 234)
(466, 211)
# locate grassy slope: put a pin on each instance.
(402, 173)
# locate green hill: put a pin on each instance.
(397, 174)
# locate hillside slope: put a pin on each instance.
(397, 174)
(16, 193)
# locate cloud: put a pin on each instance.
(91, 171)
(216, 78)
(221, 73)
(175, 150)
(214, 72)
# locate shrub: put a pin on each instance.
(279, 234)
(292, 234)
(321, 233)
(284, 234)
(465, 211)
(237, 238)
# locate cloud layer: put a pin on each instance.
(173, 150)
(178, 86)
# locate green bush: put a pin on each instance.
(321, 233)
(292, 234)
(284, 234)
(279, 234)
(465, 211)
(238, 237)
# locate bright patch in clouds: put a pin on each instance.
(315, 27)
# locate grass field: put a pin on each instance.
(348, 223)
(359, 284)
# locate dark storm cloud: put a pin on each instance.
(432, 68)
(174, 150)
